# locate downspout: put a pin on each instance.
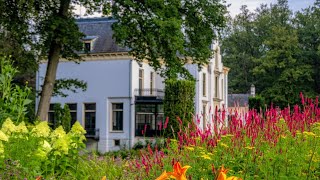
(130, 99)
(37, 88)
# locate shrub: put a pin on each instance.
(14, 99)
(178, 103)
(38, 151)
(256, 102)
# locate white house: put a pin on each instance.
(123, 95)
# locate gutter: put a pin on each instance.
(130, 98)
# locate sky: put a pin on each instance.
(295, 5)
(234, 9)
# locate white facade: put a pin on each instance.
(113, 83)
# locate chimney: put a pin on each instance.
(253, 90)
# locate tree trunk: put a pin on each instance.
(53, 61)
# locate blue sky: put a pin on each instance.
(253, 4)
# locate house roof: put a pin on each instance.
(238, 100)
(100, 32)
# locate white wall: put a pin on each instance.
(107, 81)
(115, 81)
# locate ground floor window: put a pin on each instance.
(117, 116)
(90, 118)
(149, 119)
(73, 112)
(51, 116)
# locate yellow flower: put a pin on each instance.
(250, 147)
(206, 157)
(8, 127)
(41, 130)
(77, 129)
(283, 136)
(3, 137)
(61, 146)
(58, 133)
(189, 148)
(104, 178)
(21, 128)
(46, 146)
(309, 133)
(224, 145)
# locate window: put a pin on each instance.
(117, 116)
(140, 81)
(151, 83)
(222, 87)
(90, 118)
(149, 119)
(73, 112)
(216, 87)
(117, 142)
(204, 84)
(204, 112)
(87, 46)
(51, 117)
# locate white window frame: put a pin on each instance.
(204, 84)
(84, 113)
(111, 116)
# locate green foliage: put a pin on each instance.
(62, 117)
(256, 102)
(173, 31)
(68, 84)
(66, 118)
(274, 49)
(178, 103)
(14, 98)
(36, 150)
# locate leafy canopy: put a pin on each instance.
(168, 33)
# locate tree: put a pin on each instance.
(154, 30)
(168, 33)
(270, 48)
(239, 51)
(49, 29)
(307, 22)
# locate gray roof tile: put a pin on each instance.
(238, 100)
(101, 29)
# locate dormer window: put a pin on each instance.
(87, 46)
(88, 42)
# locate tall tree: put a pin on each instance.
(174, 31)
(308, 22)
(239, 51)
(268, 48)
(48, 27)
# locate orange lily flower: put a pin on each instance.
(179, 173)
(163, 176)
(223, 175)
